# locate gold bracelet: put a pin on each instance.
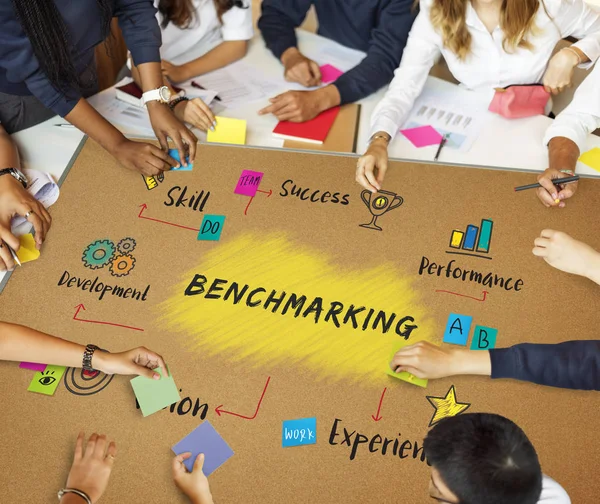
(385, 136)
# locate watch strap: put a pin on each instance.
(16, 174)
(88, 355)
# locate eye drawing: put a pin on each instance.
(46, 379)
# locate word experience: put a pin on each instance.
(94, 286)
(334, 312)
(486, 278)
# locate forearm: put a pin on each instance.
(20, 343)
(137, 78)
(71, 498)
(222, 55)
(471, 362)
(562, 154)
(9, 156)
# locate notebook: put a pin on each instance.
(314, 131)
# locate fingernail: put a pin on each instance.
(156, 376)
(212, 128)
(214, 122)
(554, 195)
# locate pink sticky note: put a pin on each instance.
(329, 73)
(33, 366)
(248, 183)
(422, 136)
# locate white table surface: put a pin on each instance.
(512, 144)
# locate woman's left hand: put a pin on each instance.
(166, 125)
(138, 361)
(175, 73)
(559, 74)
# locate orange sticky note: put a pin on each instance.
(27, 252)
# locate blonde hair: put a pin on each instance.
(516, 20)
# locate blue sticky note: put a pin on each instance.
(484, 338)
(211, 228)
(302, 431)
(457, 329)
(204, 439)
(174, 153)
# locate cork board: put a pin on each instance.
(226, 356)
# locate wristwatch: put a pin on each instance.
(162, 95)
(18, 174)
(88, 354)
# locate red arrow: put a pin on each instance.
(80, 307)
(143, 207)
(219, 411)
(485, 293)
(252, 197)
(377, 417)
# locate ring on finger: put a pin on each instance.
(28, 214)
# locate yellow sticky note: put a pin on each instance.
(227, 130)
(27, 252)
(403, 375)
(591, 158)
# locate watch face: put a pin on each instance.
(165, 94)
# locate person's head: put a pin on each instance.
(482, 458)
(181, 12)
(516, 20)
(44, 26)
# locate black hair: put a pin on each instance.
(45, 28)
(485, 458)
(181, 12)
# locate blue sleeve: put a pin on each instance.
(386, 46)
(21, 65)
(571, 365)
(137, 20)
(278, 21)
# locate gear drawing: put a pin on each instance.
(122, 265)
(98, 254)
(126, 245)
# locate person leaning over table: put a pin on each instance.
(571, 365)
(47, 67)
(566, 139)
(487, 44)
(16, 200)
(218, 30)
(378, 27)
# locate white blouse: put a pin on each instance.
(205, 32)
(488, 65)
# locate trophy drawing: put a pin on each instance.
(378, 204)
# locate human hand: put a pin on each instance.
(372, 165)
(175, 73)
(137, 361)
(559, 74)
(295, 106)
(16, 200)
(300, 69)
(193, 484)
(166, 125)
(142, 157)
(196, 113)
(91, 470)
(563, 252)
(549, 193)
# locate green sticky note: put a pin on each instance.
(46, 382)
(154, 395)
(404, 375)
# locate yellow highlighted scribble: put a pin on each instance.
(263, 338)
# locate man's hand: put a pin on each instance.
(16, 200)
(551, 195)
(300, 69)
(300, 106)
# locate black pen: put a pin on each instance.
(442, 143)
(196, 85)
(558, 181)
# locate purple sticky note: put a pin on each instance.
(422, 136)
(248, 183)
(204, 439)
(329, 73)
(33, 366)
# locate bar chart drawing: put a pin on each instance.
(474, 241)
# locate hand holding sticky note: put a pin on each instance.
(404, 375)
(174, 153)
(228, 130)
(154, 395)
